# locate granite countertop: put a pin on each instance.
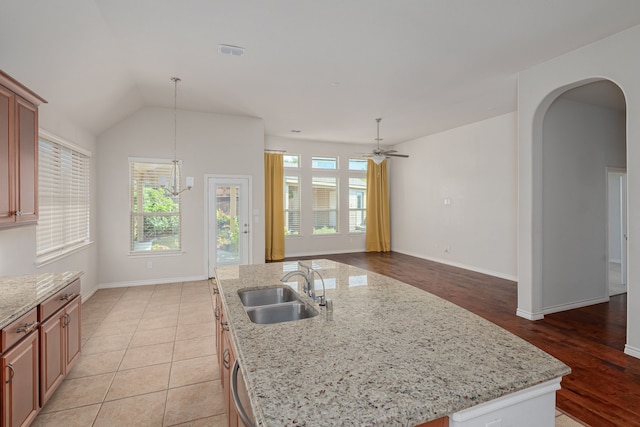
(19, 294)
(388, 354)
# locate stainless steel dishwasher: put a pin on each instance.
(241, 397)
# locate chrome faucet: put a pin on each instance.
(309, 284)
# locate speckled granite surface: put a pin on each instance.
(389, 354)
(19, 294)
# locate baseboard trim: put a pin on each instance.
(529, 315)
(572, 305)
(146, 282)
(307, 254)
(632, 351)
(461, 265)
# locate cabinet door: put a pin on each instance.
(73, 332)
(20, 383)
(27, 161)
(7, 165)
(52, 361)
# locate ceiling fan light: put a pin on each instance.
(378, 158)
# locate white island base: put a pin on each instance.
(532, 407)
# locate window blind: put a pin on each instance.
(325, 205)
(292, 205)
(63, 199)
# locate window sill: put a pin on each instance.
(154, 254)
(51, 258)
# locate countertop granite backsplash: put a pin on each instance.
(19, 294)
(388, 354)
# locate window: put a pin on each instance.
(358, 165)
(325, 205)
(292, 205)
(291, 160)
(357, 205)
(324, 163)
(63, 198)
(155, 215)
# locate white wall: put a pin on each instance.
(610, 58)
(579, 141)
(207, 144)
(18, 245)
(308, 244)
(473, 167)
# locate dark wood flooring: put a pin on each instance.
(604, 386)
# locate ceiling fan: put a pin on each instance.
(378, 155)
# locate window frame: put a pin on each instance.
(72, 167)
(314, 210)
(358, 211)
(357, 173)
(133, 215)
(288, 210)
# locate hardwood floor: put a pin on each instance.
(604, 386)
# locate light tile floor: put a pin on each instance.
(148, 359)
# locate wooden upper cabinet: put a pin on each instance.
(7, 103)
(18, 153)
(27, 161)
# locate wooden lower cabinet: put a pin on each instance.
(20, 383)
(440, 422)
(59, 347)
(229, 359)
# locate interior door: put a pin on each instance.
(617, 230)
(228, 218)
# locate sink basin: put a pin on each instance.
(267, 296)
(281, 313)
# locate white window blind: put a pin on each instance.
(325, 205)
(292, 205)
(357, 204)
(63, 200)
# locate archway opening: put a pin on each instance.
(583, 137)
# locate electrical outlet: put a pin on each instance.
(149, 264)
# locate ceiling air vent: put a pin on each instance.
(227, 49)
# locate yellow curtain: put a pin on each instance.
(274, 206)
(378, 225)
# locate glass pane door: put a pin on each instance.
(228, 221)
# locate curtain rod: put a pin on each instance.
(275, 151)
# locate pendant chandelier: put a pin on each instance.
(172, 187)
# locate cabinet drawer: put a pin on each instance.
(19, 329)
(59, 300)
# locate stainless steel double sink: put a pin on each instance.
(275, 304)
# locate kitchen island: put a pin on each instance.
(388, 354)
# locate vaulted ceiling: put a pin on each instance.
(327, 68)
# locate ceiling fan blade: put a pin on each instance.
(388, 151)
(397, 155)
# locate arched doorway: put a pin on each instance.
(583, 134)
